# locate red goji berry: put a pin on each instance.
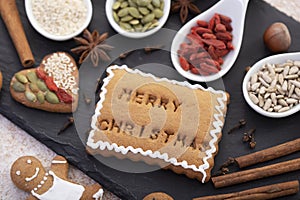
(220, 28)
(212, 52)
(50, 84)
(209, 36)
(184, 63)
(201, 30)
(225, 19)
(224, 36)
(202, 23)
(221, 52)
(230, 46)
(216, 43)
(64, 96)
(195, 70)
(40, 73)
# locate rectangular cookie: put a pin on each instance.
(164, 122)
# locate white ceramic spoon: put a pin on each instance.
(276, 59)
(236, 10)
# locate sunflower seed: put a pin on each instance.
(268, 104)
(284, 109)
(253, 98)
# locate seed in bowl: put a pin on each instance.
(138, 15)
(208, 43)
(276, 87)
(59, 17)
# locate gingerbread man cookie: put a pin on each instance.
(28, 174)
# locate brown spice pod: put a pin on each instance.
(10, 15)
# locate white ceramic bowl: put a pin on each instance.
(236, 10)
(46, 34)
(280, 58)
(117, 28)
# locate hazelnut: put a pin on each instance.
(277, 37)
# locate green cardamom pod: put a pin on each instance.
(116, 17)
(143, 2)
(30, 96)
(124, 4)
(41, 97)
(158, 13)
(41, 85)
(32, 77)
(148, 18)
(134, 12)
(123, 12)
(156, 3)
(18, 87)
(132, 3)
(116, 5)
(125, 26)
(150, 7)
(21, 78)
(52, 98)
(126, 18)
(144, 10)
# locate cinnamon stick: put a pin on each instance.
(260, 193)
(11, 18)
(269, 154)
(257, 173)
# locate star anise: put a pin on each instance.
(184, 6)
(92, 45)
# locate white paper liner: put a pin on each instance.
(217, 124)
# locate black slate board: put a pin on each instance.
(44, 126)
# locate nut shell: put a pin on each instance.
(277, 37)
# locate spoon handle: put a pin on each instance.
(245, 3)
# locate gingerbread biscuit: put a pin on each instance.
(172, 124)
(53, 86)
(28, 174)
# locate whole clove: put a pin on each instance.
(66, 125)
(249, 138)
(224, 169)
(242, 122)
(153, 48)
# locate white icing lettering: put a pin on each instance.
(33, 176)
(18, 173)
(29, 161)
(59, 161)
